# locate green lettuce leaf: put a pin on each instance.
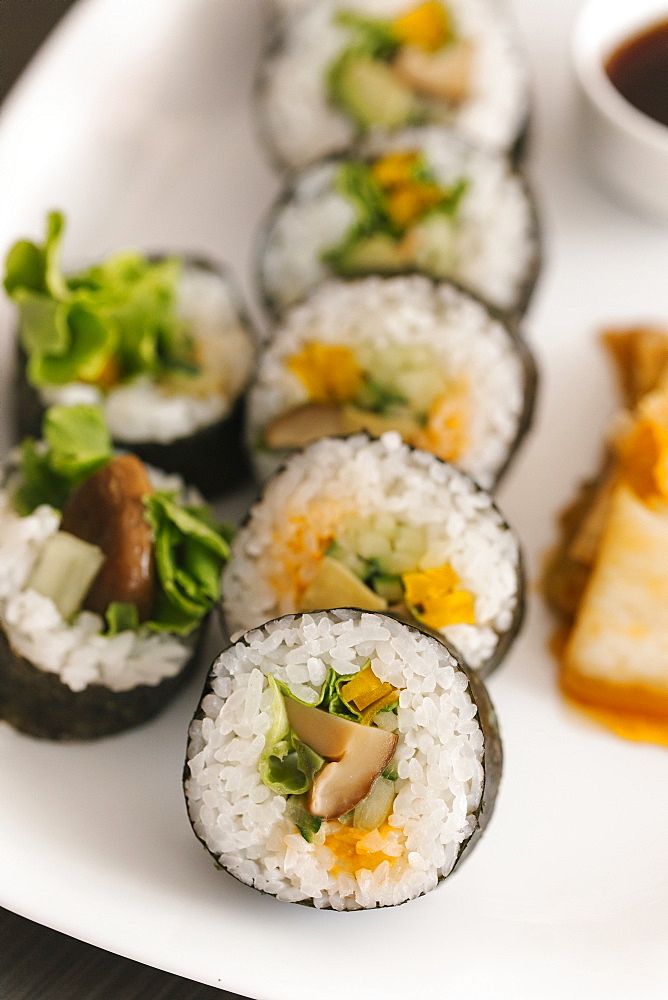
(370, 36)
(109, 323)
(190, 553)
(34, 268)
(331, 698)
(76, 444)
(286, 765)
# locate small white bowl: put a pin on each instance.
(627, 151)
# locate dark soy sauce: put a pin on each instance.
(638, 68)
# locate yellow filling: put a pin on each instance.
(428, 26)
(368, 694)
(330, 373)
(445, 433)
(356, 850)
(437, 599)
(407, 196)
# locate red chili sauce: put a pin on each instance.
(638, 68)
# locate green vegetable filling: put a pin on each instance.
(76, 444)
(287, 765)
(103, 325)
(190, 550)
(391, 195)
(362, 81)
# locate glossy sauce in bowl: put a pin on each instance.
(638, 68)
(620, 56)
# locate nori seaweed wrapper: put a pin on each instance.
(38, 703)
(492, 754)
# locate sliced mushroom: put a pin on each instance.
(445, 74)
(357, 755)
(336, 586)
(375, 424)
(303, 424)
(107, 510)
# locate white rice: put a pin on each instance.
(76, 650)
(414, 336)
(439, 758)
(301, 126)
(411, 510)
(146, 410)
(490, 249)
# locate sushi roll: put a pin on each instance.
(108, 570)
(423, 200)
(402, 354)
(160, 344)
(343, 68)
(379, 525)
(342, 760)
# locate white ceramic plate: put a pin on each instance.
(135, 120)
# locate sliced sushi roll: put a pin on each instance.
(378, 525)
(160, 344)
(342, 760)
(343, 68)
(108, 570)
(402, 354)
(424, 200)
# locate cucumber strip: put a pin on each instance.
(64, 571)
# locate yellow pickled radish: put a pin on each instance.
(365, 689)
(435, 595)
(330, 374)
(428, 26)
(394, 168)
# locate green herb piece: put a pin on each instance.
(76, 444)
(372, 36)
(373, 241)
(189, 555)
(390, 773)
(379, 398)
(355, 181)
(452, 199)
(307, 824)
(121, 617)
(389, 586)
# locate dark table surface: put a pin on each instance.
(37, 963)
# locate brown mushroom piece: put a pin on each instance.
(303, 424)
(357, 755)
(107, 510)
(445, 75)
